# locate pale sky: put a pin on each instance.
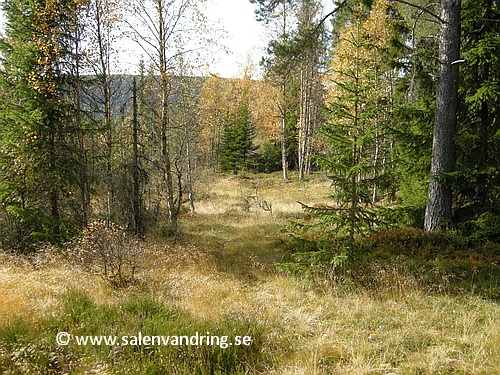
(245, 35)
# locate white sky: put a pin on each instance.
(244, 36)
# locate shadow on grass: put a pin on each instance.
(247, 251)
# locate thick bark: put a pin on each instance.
(439, 204)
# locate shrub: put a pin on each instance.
(485, 228)
(399, 261)
(268, 159)
(413, 242)
(14, 235)
(108, 250)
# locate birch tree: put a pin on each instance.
(162, 28)
(308, 51)
(279, 72)
(103, 28)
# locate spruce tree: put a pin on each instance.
(39, 161)
(358, 105)
(349, 134)
(478, 142)
(237, 139)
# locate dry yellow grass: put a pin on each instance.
(223, 194)
(325, 333)
(31, 291)
(223, 267)
(314, 333)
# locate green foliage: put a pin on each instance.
(268, 158)
(412, 132)
(485, 228)
(39, 158)
(311, 256)
(399, 261)
(237, 140)
(356, 130)
(437, 261)
(414, 243)
(413, 118)
(478, 176)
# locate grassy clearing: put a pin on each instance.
(220, 279)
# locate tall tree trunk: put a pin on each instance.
(54, 187)
(165, 120)
(189, 171)
(304, 118)
(84, 178)
(138, 228)
(439, 204)
(284, 159)
(104, 76)
(167, 165)
(284, 111)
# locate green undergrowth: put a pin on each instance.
(398, 261)
(248, 249)
(32, 349)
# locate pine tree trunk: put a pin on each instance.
(439, 204)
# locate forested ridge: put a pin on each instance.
(358, 163)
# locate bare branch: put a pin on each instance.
(422, 9)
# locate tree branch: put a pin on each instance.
(424, 10)
(310, 35)
(323, 20)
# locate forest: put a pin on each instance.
(334, 210)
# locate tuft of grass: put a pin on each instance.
(297, 328)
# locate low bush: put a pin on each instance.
(412, 242)
(108, 250)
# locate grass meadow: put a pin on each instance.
(220, 278)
